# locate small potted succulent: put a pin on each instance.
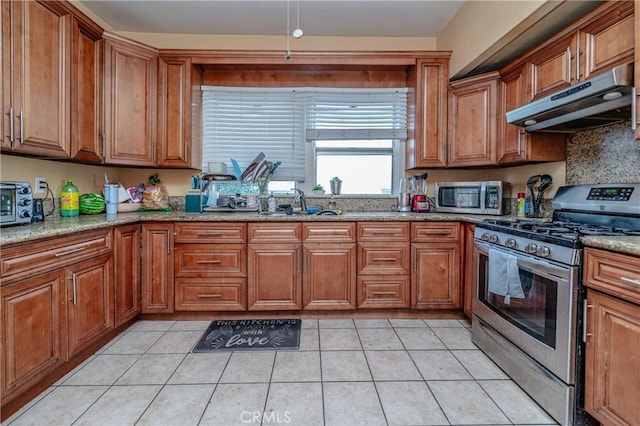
(318, 190)
(336, 185)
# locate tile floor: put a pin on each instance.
(347, 372)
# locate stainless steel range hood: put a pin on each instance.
(599, 101)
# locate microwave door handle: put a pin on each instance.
(483, 196)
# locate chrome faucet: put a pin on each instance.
(299, 198)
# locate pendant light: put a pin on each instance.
(297, 33)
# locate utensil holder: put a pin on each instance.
(335, 187)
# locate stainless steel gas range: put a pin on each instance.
(527, 313)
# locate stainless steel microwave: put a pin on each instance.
(482, 197)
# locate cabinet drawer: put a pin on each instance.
(201, 232)
(211, 294)
(382, 291)
(329, 232)
(275, 232)
(437, 232)
(46, 255)
(383, 231)
(229, 260)
(613, 273)
(391, 258)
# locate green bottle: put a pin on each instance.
(69, 200)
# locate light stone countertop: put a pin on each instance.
(59, 226)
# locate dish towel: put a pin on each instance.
(504, 278)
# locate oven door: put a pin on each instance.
(7, 204)
(542, 323)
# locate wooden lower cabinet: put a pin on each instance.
(612, 382)
(89, 302)
(157, 268)
(33, 318)
(126, 253)
(211, 294)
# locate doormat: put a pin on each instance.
(246, 335)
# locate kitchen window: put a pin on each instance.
(317, 133)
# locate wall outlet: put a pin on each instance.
(41, 186)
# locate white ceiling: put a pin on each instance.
(383, 18)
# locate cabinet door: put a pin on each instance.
(329, 276)
(5, 78)
(126, 254)
(90, 301)
(612, 373)
(31, 330)
(157, 268)
(554, 68)
(130, 103)
(275, 277)
(636, 69)
(87, 62)
(40, 83)
(176, 146)
(427, 146)
(472, 130)
(435, 278)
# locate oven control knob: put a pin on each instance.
(485, 236)
(511, 243)
(544, 251)
(24, 213)
(493, 238)
(531, 248)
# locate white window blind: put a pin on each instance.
(334, 114)
(240, 122)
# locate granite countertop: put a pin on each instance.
(59, 226)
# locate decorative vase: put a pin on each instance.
(318, 191)
(335, 187)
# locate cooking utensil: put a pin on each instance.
(236, 168)
(530, 187)
(545, 182)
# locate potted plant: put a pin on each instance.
(318, 190)
(336, 185)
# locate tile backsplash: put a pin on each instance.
(606, 155)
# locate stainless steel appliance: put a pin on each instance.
(488, 197)
(527, 313)
(16, 200)
(601, 100)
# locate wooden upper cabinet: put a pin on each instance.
(472, 125)
(427, 144)
(130, 102)
(514, 144)
(179, 99)
(36, 78)
(87, 63)
(636, 69)
(553, 68)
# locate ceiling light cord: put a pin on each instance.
(287, 54)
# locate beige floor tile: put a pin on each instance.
(309, 323)
(479, 365)
(465, 322)
(151, 370)
(337, 339)
(152, 326)
(61, 406)
(133, 342)
(120, 405)
(294, 404)
(292, 366)
(515, 403)
(410, 323)
(200, 326)
(439, 365)
(349, 403)
(309, 340)
(372, 323)
(409, 403)
(102, 370)
(176, 342)
(177, 405)
(443, 323)
(249, 367)
(236, 404)
(344, 366)
(76, 369)
(28, 405)
(392, 365)
(336, 323)
(455, 338)
(379, 338)
(200, 368)
(419, 338)
(466, 403)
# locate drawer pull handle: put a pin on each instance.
(64, 253)
(216, 261)
(384, 293)
(209, 296)
(209, 234)
(436, 233)
(629, 281)
(384, 259)
(381, 232)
